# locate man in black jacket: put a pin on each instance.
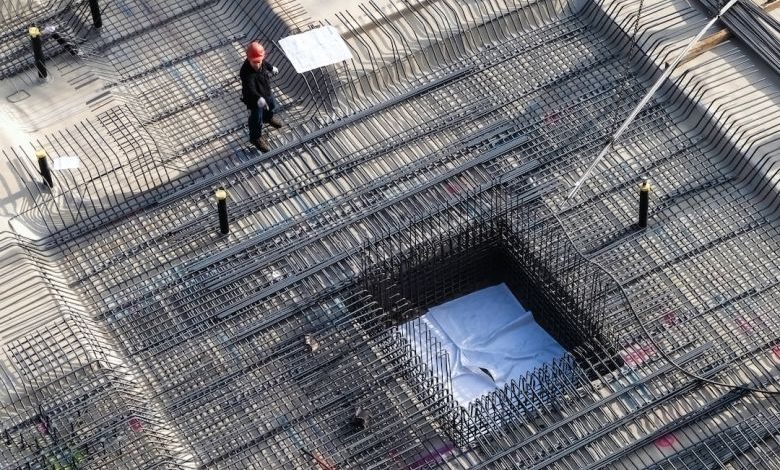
(256, 94)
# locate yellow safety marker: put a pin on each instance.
(221, 195)
(644, 203)
(37, 45)
(43, 166)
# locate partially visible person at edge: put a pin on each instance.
(256, 94)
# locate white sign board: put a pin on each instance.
(315, 48)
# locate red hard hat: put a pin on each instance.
(255, 51)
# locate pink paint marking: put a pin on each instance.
(665, 442)
(434, 456)
(135, 424)
(630, 356)
(776, 350)
(744, 325)
(451, 188)
(552, 118)
(637, 354)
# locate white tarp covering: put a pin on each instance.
(315, 48)
(489, 330)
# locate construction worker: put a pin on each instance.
(256, 94)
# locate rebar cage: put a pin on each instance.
(434, 264)
(436, 161)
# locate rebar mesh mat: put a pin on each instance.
(446, 146)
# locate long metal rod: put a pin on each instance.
(648, 96)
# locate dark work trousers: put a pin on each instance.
(259, 116)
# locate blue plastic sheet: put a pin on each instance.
(490, 340)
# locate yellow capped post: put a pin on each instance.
(43, 166)
(644, 203)
(221, 195)
(37, 46)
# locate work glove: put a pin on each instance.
(49, 29)
(274, 71)
(261, 103)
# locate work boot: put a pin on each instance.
(276, 122)
(262, 145)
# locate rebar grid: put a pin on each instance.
(69, 18)
(280, 273)
(310, 204)
(76, 405)
(127, 111)
(261, 346)
(266, 367)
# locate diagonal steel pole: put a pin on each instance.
(616, 136)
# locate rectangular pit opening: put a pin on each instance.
(439, 289)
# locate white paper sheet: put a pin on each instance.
(65, 163)
(488, 329)
(315, 48)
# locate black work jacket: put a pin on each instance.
(255, 84)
